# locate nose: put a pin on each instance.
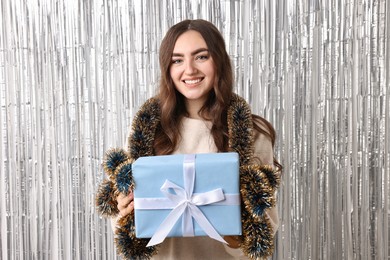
(190, 68)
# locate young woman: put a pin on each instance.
(196, 111)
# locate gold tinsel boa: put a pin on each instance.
(257, 182)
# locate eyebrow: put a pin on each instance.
(192, 53)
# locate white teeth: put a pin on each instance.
(194, 81)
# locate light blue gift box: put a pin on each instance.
(212, 171)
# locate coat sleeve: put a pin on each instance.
(263, 155)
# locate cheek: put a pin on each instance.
(212, 70)
(173, 73)
(174, 77)
(213, 75)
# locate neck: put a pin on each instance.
(193, 107)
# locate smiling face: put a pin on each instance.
(192, 68)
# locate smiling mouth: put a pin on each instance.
(192, 81)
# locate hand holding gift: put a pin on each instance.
(111, 199)
(125, 203)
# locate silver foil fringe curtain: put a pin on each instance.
(73, 73)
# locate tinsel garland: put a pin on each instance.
(257, 183)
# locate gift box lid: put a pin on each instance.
(209, 168)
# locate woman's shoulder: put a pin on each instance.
(264, 135)
(241, 109)
(150, 109)
(263, 126)
(151, 103)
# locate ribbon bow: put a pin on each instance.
(186, 205)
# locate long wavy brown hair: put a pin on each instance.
(215, 108)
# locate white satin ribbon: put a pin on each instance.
(186, 206)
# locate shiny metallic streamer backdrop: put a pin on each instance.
(73, 73)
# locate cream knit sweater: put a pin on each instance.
(196, 138)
